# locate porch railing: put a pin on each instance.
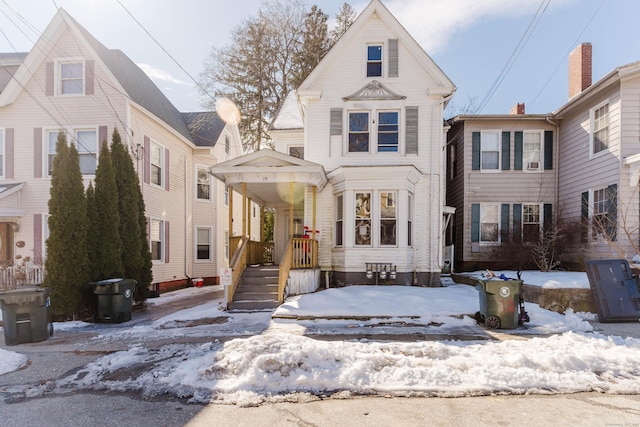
(25, 274)
(300, 254)
(238, 264)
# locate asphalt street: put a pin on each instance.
(68, 351)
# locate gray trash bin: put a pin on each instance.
(499, 303)
(115, 299)
(26, 314)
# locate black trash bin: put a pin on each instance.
(115, 300)
(499, 303)
(26, 315)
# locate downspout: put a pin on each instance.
(556, 161)
(186, 220)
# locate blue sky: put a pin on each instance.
(473, 41)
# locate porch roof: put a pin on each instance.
(267, 174)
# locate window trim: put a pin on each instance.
(197, 244)
(381, 61)
(525, 163)
(375, 218)
(72, 136)
(373, 132)
(227, 236)
(540, 221)
(155, 144)
(3, 153)
(162, 240)
(498, 168)
(339, 219)
(58, 76)
(592, 130)
(197, 179)
(484, 206)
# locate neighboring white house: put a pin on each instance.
(359, 159)
(69, 81)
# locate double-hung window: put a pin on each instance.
(359, 132)
(374, 60)
(600, 219)
(203, 244)
(490, 151)
(339, 219)
(203, 190)
(86, 142)
(157, 239)
(388, 131)
(71, 78)
(531, 149)
(600, 129)
(388, 219)
(363, 219)
(157, 163)
(2, 156)
(489, 223)
(530, 223)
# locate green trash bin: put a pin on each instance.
(26, 315)
(115, 300)
(499, 303)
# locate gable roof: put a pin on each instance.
(9, 63)
(288, 115)
(376, 9)
(134, 83)
(205, 127)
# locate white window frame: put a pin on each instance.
(198, 184)
(373, 131)
(375, 218)
(381, 61)
(410, 207)
(498, 134)
(161, 166)
(161, 240)
(484, 207)
(339, 219)
(364, 219)
(380, 218)
(227, 145)
(532, 162)
(597, 125)
(540, 221)
(59, 89)
(50, 139)
(378, 131)
(598, 208)
(198, 243)
(226, 244)
(3, 156)
(226, 195)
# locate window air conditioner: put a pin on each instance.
(533, 165)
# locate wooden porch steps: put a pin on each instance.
(258, 289)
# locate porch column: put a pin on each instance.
(261, 223)
(230, 210)
(313, 214)
(291, 191)
(244, 209)
(249, 217)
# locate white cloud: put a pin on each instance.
(433, 23)
(158, 74)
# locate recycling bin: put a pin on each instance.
(115, 300)
(26, 314)
(499, 303)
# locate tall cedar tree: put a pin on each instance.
(106, 256)
(66, 264)
(136, 258)
(315, 44)
(263, 62)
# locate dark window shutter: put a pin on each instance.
(37, 152)
(88, 77)
(166, 242)
(548, 150)
(475, 222)
(336, 121)
(584, 217)
(8, 153)
(504, 223)
(475, 151)
(393, 57)
(506, 151)
(517, 223)
(48, 79)
(612, 212)
(102, 135)
(411, 130)
(37, 238)
(166, 169)
(517, 150)
(547, 211)
(147, 160)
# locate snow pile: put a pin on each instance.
(10, 361)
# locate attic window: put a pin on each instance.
(374, 60)
(71, 78)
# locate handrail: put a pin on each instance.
(284, 268)
(238, 264)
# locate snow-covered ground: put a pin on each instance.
(286, 359)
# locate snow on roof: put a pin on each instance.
(289, 115)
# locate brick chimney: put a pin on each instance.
(579, 69)
(517, 109)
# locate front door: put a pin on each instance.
(6, 242)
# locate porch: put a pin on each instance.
(273, 180)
